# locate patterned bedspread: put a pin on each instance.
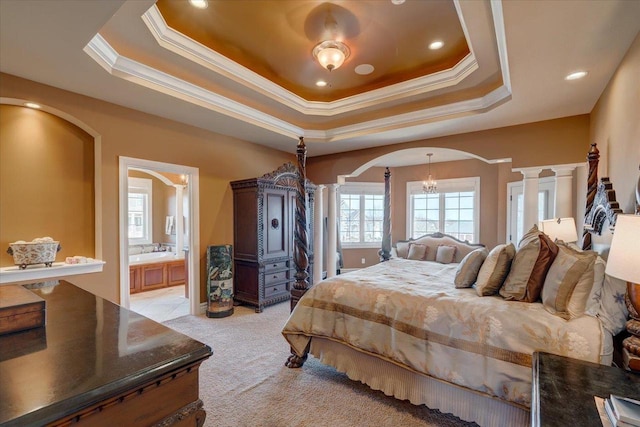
(410, 313)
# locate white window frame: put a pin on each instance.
(361, 189)
(545, 184)
(446, 186)
(143, 186)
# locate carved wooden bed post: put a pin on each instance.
(300, 250)
(385, 252)
(592, 188)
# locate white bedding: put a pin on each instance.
(409, 313)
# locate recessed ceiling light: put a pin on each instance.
(364, 69)
(32, 105)
(436, 45)
(575, 76)
(397, 1)
(200, 4)
(321, 83)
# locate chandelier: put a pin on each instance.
(331, 54)
(430, 186)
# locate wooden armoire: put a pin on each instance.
(263, 234)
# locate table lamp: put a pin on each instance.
(560, 229)
(624, 263)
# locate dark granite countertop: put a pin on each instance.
(564, 390)
(89, 349)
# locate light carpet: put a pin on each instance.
(245, 382)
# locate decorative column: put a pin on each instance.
(332, 231)
(530, 198)
(563, 205)
(385, 251)
(318, 232)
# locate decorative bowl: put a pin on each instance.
(30, 253)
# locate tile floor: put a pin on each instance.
(161, 304)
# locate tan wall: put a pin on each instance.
(130, 133)
(615, 127)
(551, 142)
(46, 182)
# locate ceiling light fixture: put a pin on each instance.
(200, 4)
(32, 105)
(436, 45)
(331, 54)
(321, 83)
(430, 186)
(397, 2)
(575, 76)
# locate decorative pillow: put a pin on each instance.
(568, 269)
(593, 302)
(468, 269)
(403, 249)
(613, 311)
(535, 255)
(417, 252)
(445, 254)
(495, 269)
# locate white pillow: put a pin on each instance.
(613, 311)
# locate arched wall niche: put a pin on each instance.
(58, 153)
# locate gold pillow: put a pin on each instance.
(495, 269)
(571, 273)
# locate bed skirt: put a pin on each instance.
(418, 389)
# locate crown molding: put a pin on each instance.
(178, 43)
(117, 65)
(120, 66)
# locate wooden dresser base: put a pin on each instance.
(170, 400)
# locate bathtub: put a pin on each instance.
(153, 257)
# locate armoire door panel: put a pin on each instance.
(276, 224)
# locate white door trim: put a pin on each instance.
(193, 225)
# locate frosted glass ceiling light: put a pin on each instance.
(331, 54)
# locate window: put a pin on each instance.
(454, 210)
(140, 215)
(361, 214)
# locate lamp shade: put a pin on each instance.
(560, 229)
(624, 256)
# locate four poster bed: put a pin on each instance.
(413, 327)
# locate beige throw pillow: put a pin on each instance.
(495, 269)
(467, 271)
(417, 251)
(403, 249)
(531, 263)
(569, 282)
(445, 254)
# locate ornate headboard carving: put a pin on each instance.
(602, 206)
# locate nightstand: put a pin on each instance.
(563, 390)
